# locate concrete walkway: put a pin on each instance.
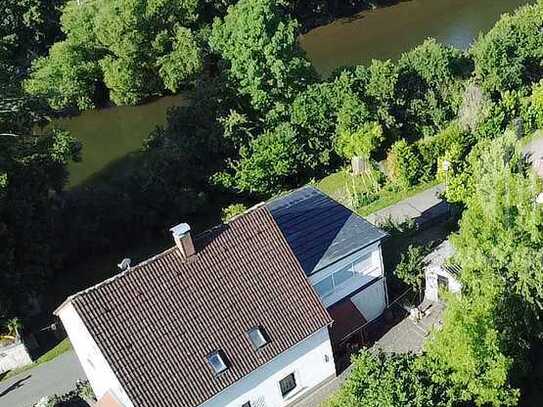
(422, 207)
(410, 334)
(55, 377)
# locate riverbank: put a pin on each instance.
(386, 32)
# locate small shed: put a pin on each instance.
(440, 273)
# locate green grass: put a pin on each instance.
(58, 350)
(336, 185)
(388, 198)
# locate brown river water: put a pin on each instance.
(112, 133)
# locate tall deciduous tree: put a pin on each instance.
(135, 48)
(32, 170)
(258, 40)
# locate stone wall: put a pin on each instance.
(13, 356)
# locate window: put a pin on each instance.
(325, 287)
(362, 264)
(442, 283)
(217, 361)
(257, 337)
(287, 384)
(343, 275)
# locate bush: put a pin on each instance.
(232, 210)
(431, 149)
(411, 267)
(404, 164)
(398, 228)
(77, 397)
(361, 142)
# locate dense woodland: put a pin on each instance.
(262, 121)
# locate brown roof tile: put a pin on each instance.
(157, 322)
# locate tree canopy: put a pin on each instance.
(132, 48)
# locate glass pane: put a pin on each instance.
(287, 384)
(257, 338)
(216, 362)
(342, 275)
(325, 287)
(362, 264)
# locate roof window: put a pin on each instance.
(217, 361)
(258, 337)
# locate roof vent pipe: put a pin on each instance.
(183, 240)
(125, 264)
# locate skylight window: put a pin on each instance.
(217, 361)
(257, 337)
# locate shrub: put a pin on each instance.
(536, 104)
(398, 228)
(411, 267)
(431, 149)
(404, 164)
(361, 142)
(232, 210)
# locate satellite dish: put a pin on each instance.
(125, 264)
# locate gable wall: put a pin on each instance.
(95, 366)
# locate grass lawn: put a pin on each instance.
(336, 185)
(58, 350)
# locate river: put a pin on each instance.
(110, 134)
(387, 32)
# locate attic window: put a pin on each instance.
(217, 361)
(257, 337)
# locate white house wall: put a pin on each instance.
(431, 291)
(95, 366)
(311, 361)
(371, 301)
(374, 270)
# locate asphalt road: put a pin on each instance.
(55, 377)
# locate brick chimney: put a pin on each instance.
(183, 240)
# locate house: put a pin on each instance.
(250, 313)
(440, 273)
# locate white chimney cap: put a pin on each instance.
(181, 229)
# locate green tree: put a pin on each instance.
(379, 380)
(258, 40)
(66, 77)
(404, 164)
(268, 164)
(183, 62)
(411, 267)
(360, 143)
(467, 356)
(135, 48)
(27, 29)
(509, 56)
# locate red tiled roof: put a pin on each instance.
(157, 322)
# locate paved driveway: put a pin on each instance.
(55, 377)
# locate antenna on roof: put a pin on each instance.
(125, 264)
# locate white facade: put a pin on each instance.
(311, 361)
(437, 276)
(341, 279)
(14, 356)
(95, 366)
